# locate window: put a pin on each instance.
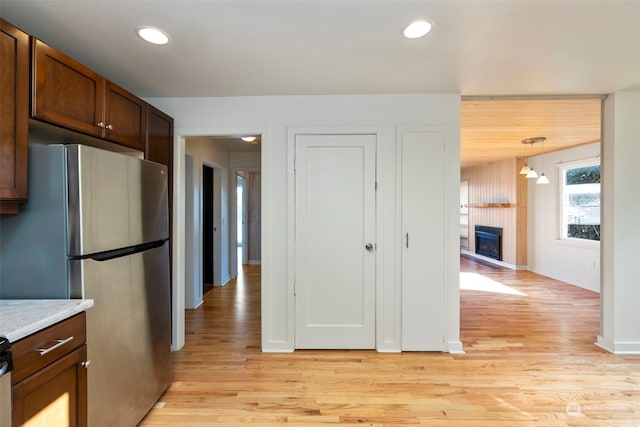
(580, 200)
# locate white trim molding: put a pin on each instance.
(618, 347)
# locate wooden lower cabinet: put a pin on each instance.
(49, 381)
(55, 395)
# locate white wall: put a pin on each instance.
(273, 117)
(245, 160)
(620, 325)
(571, 262)
(207, 153)
(192, 277)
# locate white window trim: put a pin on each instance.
(563, 166)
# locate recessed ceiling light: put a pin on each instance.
(152, 35)
(248, 138)
(417, 29)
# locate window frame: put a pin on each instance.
(562, 225)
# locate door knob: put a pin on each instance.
(369, 247)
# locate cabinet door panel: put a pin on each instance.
(66, 92)
(14, 113)
(53, 396)
(125, 117)
(159, 148)
(159, 137)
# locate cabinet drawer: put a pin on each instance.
(54, 396)
(36, 351)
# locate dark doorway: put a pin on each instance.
(208, 228)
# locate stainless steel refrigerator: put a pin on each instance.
(96, 226)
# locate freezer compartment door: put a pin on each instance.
(115, 200)
(128, 334)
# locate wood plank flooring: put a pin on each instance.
(530, 361)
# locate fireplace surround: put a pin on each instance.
(489, 241)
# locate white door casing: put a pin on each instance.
(334, 222)
(423, 236)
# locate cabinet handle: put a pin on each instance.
(58, 343)
(85, 364)
(109, 127)
(101, 125)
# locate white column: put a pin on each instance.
(620, 245)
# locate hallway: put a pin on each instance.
(530, 361)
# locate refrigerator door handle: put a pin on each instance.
(117, 253)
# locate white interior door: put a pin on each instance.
(423, 261)
(334, 223)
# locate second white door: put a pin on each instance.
(335, 241)
(423, 225)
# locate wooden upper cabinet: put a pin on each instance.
(14, 116)
(68, 94)
(159, 148)
(125, 117)
(159, 136)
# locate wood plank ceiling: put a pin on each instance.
(492, 129)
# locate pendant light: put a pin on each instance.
(526, 169)
(543, 178)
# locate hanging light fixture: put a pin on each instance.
(530, 172)
(525, 169)
(543, 178)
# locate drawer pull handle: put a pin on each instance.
(58, 343)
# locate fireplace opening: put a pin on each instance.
(489, 241)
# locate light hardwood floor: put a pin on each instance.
(530, 361)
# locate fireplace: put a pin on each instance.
(489, 241)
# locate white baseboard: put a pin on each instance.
(593, 287)
(278, 347)
(198, 304)
(455, 347)
(222, 284)
(255, 262)
(491, 261)
(617, 347)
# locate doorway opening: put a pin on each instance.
(500, 195)
(248, 206)
(211, 166)
(241, 219)
(208, 228)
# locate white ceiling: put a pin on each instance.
(232, 48)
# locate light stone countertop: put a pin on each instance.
(20, 318)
